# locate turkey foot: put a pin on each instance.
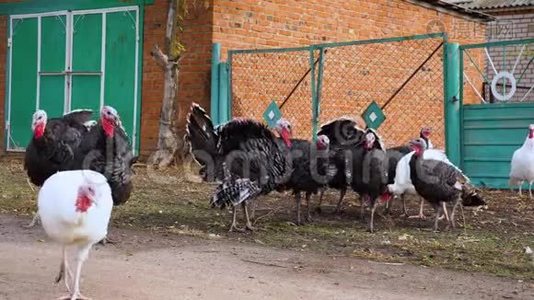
(248, 225)
(107, 240)
(74, 297)
(233, 227)
(34, 221)
(421, 215)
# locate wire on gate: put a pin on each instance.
(300, 82)
(411, 76)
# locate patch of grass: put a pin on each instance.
(492, 241)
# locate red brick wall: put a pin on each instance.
(290, 23)
(152, 88)
(194, 68)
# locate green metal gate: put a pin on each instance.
(66, 60)
(311, 85)
(497, 105)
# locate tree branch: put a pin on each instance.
(161, 58)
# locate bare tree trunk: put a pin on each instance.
(168, 141)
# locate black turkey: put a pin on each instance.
(246, 151)
(438, 182)
(106, 149)
(309, 164)
(395, 154)
(371, 173)
(344, 134)
(54, 143)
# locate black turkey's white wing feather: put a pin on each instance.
(233, 193)
(79, 116)
(254, 152)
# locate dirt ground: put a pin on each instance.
(151, 266)
(172, 244)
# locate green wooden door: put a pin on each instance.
(85, 74)
(62, 61)
(23, 81)
(53, 34)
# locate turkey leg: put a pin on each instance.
(297, 202)
(82, 256)
(371, 222)
(247, 218)
(438, 208)
(233, 227)
(308, 215)
(34, 221)
(341, 196)
(421, 215)
(321, 194)
(64, 270)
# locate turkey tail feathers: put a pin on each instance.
(234, 193)
(471, 197)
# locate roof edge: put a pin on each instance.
(454, 9)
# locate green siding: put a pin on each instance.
(52, 87)
(23, 81)
(491, 134)
(120, 65)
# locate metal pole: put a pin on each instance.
(313, 90)
(317, 104)
(215, 59)
(452, 102)
(224, 103)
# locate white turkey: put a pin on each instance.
(250, 156)
(75, 208)
(522, 168)
(438, 183)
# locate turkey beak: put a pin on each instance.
(286, 136)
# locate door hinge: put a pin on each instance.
(9, 41)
